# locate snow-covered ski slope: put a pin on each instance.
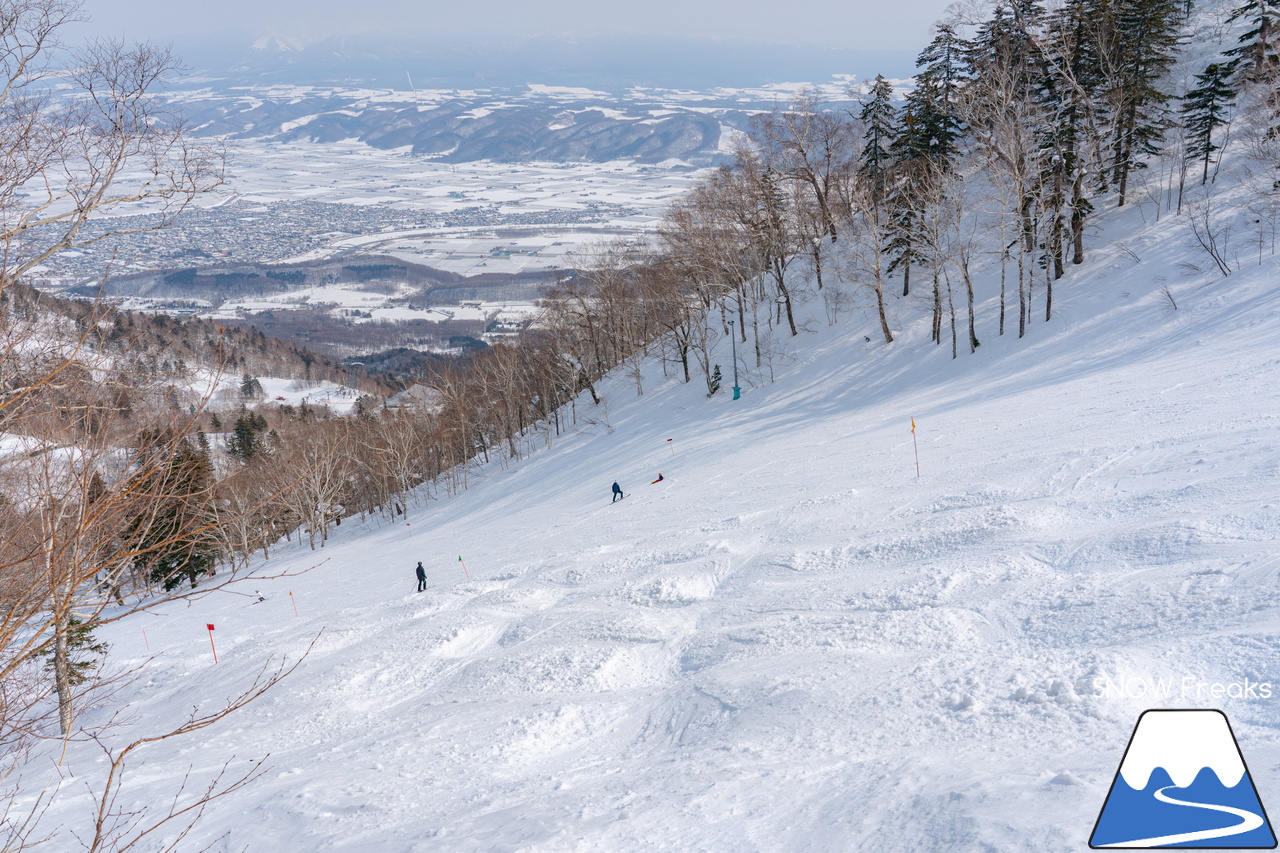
(792, 642)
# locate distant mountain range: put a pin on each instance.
(544, 98)
(519, 127)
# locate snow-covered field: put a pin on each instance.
(792, 642)
(345, 300)
(293, 392)
(353, 173)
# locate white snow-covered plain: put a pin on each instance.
(355, 173)
(340, 398)
(342, 300)
(792, 642)
(351, 172)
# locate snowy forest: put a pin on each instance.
(122, 487)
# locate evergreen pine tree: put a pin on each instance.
(942, 67)
(250, 387)
(878, 117)
(903, 194)
(904, 197)
(1146, 39)
(923, 149)
(243, 441)
(1204, 110)
(945, 60)
(165, 534)
(1257, 56)
(84, 651)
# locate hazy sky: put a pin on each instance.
(883, 25)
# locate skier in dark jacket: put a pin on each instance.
(617, 492)
(659, 480)
(422, 577)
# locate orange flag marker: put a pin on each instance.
(916, 444)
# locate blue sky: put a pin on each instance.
(904, 24)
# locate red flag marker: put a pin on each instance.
(144, 639)
(211, 645)
(294, 601)
(671, 446)
(464, 567)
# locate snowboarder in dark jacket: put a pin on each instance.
(659, 480)
(617, 492)
(422, 577)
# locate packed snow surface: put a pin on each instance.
(792, 642)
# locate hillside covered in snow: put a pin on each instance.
(791, 642)
(1001, 478)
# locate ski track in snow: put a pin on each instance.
(791, 643)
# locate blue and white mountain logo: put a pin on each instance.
(1183, 783)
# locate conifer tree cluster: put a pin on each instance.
(1017, 124)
